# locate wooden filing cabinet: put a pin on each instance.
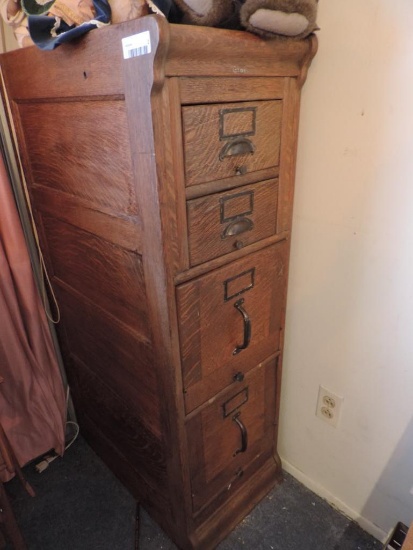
(162, 182)
(408, 543)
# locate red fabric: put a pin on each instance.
(32, 400)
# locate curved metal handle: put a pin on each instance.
(237, 227)
(237, 146)
(247, 327)
(244, 434)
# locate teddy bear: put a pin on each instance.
(267, 18)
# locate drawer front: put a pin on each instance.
(232, 436)
(230, 320)
(224, 222)
(229, 139)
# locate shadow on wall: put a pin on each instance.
(395, 486)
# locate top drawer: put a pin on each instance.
(229, 139)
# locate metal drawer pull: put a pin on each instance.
(247, 327)
(237, 146)
(244, 434)
(238, 227)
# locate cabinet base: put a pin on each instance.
(227, 517)
(218, 525)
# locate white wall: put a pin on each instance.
(7, 39)
(350, 308)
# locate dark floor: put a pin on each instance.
(79, 505)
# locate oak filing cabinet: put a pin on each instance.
(161, 172)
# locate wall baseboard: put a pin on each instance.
(319, 490)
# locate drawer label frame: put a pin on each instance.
(227, 282)
(223, 112)
(227, 198)
(237, 403)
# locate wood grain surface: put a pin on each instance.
(121, 156)
(210, 217)
(203, 145)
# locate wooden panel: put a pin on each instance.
(201, 269)
(89, 75)
(217, 90)
(202, 51)
(124, 232)
(219, 517)
(203, 189)
(129, 473)
(109, 276)
(224, 222)
(65, 153)
(209, 129)
(211, 327)
(119, 357)
(97, 401)
(216, 459)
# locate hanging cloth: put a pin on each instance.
(32, 399)
(70, 22)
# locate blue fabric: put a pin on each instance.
(40, 27)
(169, 9)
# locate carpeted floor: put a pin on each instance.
(80, 505)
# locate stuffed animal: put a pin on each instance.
(268, 18)
(66, 14)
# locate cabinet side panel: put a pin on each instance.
(77, 162)
(105, 274)
(114, 359)
(81, 148)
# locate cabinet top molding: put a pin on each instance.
(222, 52)
(176, 50)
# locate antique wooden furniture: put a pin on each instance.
(160, 162)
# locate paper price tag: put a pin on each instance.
(136, 45)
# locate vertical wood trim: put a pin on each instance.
(146, 103)
(278, 376)
(173, 224)
(178, 172)
(289, 139)
(289, 135)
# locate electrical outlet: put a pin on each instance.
(328, 406)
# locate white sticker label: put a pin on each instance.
(137, 44)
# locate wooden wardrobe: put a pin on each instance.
(160, 163)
